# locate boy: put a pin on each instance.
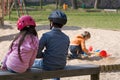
(78, 47)
(55, 44)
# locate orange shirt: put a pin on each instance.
(79, 41)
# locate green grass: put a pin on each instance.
(77, 18)
(94, 20)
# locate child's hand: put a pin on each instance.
(3, 67)
(90, 53)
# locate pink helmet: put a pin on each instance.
(25, 21)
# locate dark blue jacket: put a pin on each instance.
(55, 45)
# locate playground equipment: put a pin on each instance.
(18, 4)
(1, 13)
(6, 7)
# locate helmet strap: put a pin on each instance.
(51, 25)
(27, 26)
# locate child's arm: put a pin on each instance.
(32, 59)
(3, 62)
(42, 43)
(84, 47)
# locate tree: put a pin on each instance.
(61, 2)
(96, 4)
(57, 2)
(41, 1)
(74, 4)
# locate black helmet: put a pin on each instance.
(58, 17)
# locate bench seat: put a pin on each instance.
(69, 71)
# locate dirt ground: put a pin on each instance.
(108, 40)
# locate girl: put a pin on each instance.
(23, 49)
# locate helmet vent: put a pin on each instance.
(30, 19)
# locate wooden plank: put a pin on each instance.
(110, 68)
(70, 70)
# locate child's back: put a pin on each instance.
(56, 49)
(23, 49)
(54, 43)
(28, 52)
(77, 40)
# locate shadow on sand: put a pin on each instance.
(41, 27)
(7, 37)
(6, 27)
(47, 27)
(94, 58)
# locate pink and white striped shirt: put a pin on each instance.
(28, 52)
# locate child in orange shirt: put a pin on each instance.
(78, 47)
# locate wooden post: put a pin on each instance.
(25, 7)
(16, 6)
(11, 9)
(41, 2)
(95, 76)
(8, 8)
(1, 13)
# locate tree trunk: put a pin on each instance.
(41, 1)
(57, 2)
(96, 4)
(74, 4)
(60, 2)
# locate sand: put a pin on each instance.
(108, 40)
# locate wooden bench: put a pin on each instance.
(69, 71)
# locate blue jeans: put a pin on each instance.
(10, 70)
(38, 63)
(75, 50)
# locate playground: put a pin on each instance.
(101, 39)
(104, 29)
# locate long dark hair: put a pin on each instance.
(30, 30)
